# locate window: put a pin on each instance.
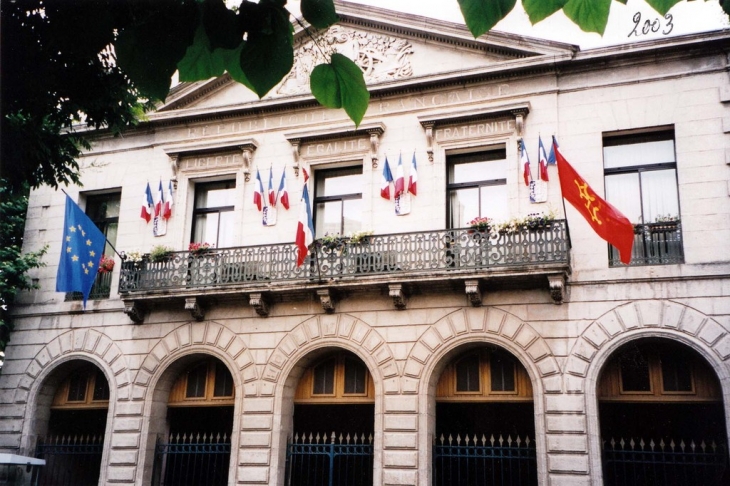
(341, 377)
(206, 382)
(634, 368)
(477, 186)
(86, 387)
(487, 374)
(641, 181)
(338, 201)
(103, 210)
(213, 213)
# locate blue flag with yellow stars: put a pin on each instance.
(83, 247)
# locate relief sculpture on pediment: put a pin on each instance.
(381, 57)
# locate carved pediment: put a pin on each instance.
(381, 57)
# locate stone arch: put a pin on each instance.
(167, 358)
(80, 342)
(188, 336)
(631, 321)
(331, 328)
(316, 333)
(469, 325)
(483, 321)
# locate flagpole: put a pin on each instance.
(123, 257)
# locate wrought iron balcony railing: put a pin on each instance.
(100, 290)
(654, 244)
(463, 251)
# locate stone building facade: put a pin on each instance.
(429, 327)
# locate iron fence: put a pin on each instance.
(636, 462)
(405, 253)
(480, 461)
(337, 460)
(100, 290)
(654, 244)
(70, 460)
(191, 460)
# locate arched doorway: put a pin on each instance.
(334, 408)
(193, 443)
(71, 424)
(662, 419)
(485, 421)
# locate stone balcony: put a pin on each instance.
(397, 265)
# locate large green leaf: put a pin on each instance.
(268, 54)
(150, 51)
(231, 59)
(341, 84)
(222, 25)
(199, 62)
(319, 13)
(662, 6)
(538, 10)
(481, 15)
(589, 15)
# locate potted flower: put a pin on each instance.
(360, 238)
(480, 224)
(106, 264)
(332, 242)
(535, 221)
(160, 253)
(197, 249)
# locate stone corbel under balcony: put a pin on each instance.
(135, 311)
(473, 293)
(558, 289)
(328, 300)
(195, 307)
(398, 294)
(473, 125)
(259, 303)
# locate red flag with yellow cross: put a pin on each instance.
(606, 220)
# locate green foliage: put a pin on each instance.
(662, 6)
(14, 264)
(319, 13)
(481, 15)
(341, 84)
(538, 10)
(589, 15)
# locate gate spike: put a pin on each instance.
(692, 445)
(681, 444)
(333, 438)
(466, 439)
(296, 437)
(317, 438)
(347, 438)
(475, 439)
(623, 443)
(651, 444)
(642, 443)
(450, 439)
(518, 441)
(702, 445)
(484, 440)
(662, 444)
(370, 438)
(311, 437)
(458, 439)
(491, 439)
(527, 441)
(671, 444)
(442, 438)
(509, 440)
(632, 443)
(501, 440)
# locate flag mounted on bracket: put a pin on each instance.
(607, 221)
(386, 181)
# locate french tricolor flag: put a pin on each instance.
(147, 204)
(413, 176)
(272, 194)
(305, 226)
(159, 201)
(167, 210)
(386, 180)
(258, 194)
(543, 160)
(283, 195)
(400, 182)
(525, 160)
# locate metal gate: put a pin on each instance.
(669, 463)
(482, 462)
(70, 460)
(315, 460)
(192, 460)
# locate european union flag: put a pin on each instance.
(83, 247)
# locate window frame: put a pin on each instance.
(479, 155)
(323, 173)
(198, 188)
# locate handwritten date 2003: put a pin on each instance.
(651, 26)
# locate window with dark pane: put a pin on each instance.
(338, 201)
(223, 382)
(196, 381)
(213, 215)
(355, 376)
(101, 386)
(502, 372)
(103, 210)
(676, 372)
(467, 374)
(77, 387)
(477, 186)
(634, 367)
(324, 378)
